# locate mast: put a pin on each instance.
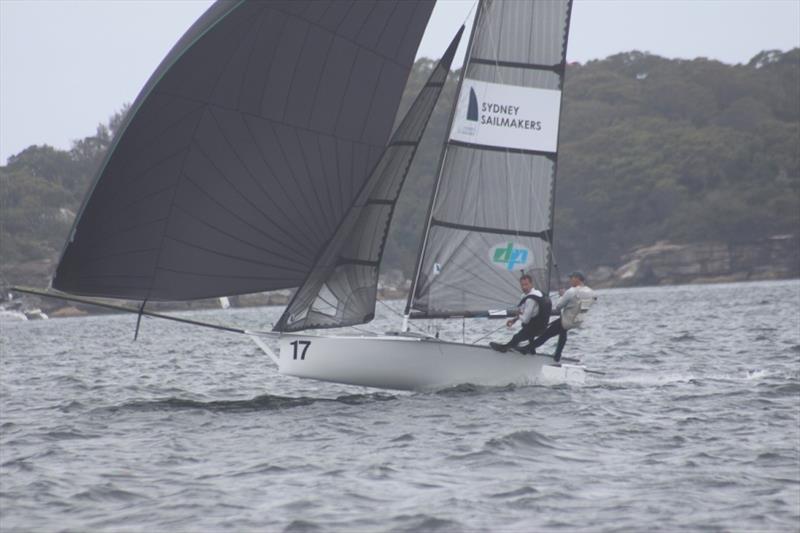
(442, 157)
(551, 259)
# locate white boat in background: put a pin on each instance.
(35, 314)
(259, 159)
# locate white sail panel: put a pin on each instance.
(507, 116)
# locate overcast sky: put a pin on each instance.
(66, 66)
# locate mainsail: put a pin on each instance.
(245, 150)
(342, 288)
(492, 213)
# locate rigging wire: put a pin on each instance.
(474, 4)
(489, 334)
(401, 315)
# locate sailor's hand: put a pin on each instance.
(510, 322)
(561, 291)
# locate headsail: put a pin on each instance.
(341, 290)
(245, 150)
(492, 213)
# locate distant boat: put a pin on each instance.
(35, 314)
(258, 157)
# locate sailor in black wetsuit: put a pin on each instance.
(534, 312)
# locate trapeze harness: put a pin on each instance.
(538, 323)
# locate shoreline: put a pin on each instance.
(70, 310)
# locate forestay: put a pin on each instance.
(342, 288)
(492, 213)
(244, 151)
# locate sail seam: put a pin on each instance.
(484, 229)
(322, 167)
(549, 155)
(385, 24)
(234, 276)
(230, 256)
(353, 261)
(496, 273)
(203, 104)
(243, 241)
(294, 177)
(379, 201)
(258, 26)
(271, 171)
(309, 178)
(557, 68)
(294, 68)
(345, 38)
(460, 288)
(102, 218)
(244, 197)
(127, 173)
(96, 258)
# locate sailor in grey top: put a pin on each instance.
(572, 306)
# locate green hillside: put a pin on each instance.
(651, 149)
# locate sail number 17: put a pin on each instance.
(296, 345)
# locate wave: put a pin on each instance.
(469, 389)
(265, 402)
(525, 439)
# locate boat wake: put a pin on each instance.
(639, 380)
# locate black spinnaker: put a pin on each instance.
(245, 150)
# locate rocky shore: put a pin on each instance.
(665, 263)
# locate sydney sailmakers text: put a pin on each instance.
(507, 116)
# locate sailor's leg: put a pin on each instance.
(520, 336)
(562, 340)
(552, 330)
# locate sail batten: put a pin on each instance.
(492, 212)
(244, 150)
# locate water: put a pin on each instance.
(695, 425)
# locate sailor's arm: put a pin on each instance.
(531, 310)
(564, 300)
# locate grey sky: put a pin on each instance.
(66, 66)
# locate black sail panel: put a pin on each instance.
(245, 150)
(342, 287)
(492, 213)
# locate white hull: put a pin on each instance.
(410, 363)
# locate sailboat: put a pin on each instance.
(260, 156)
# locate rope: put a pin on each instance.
(398, 313)
(489, 334)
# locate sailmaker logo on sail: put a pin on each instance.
(507, 116)
(510, 256)
(494, 114)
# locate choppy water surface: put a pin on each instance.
(694, 425)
